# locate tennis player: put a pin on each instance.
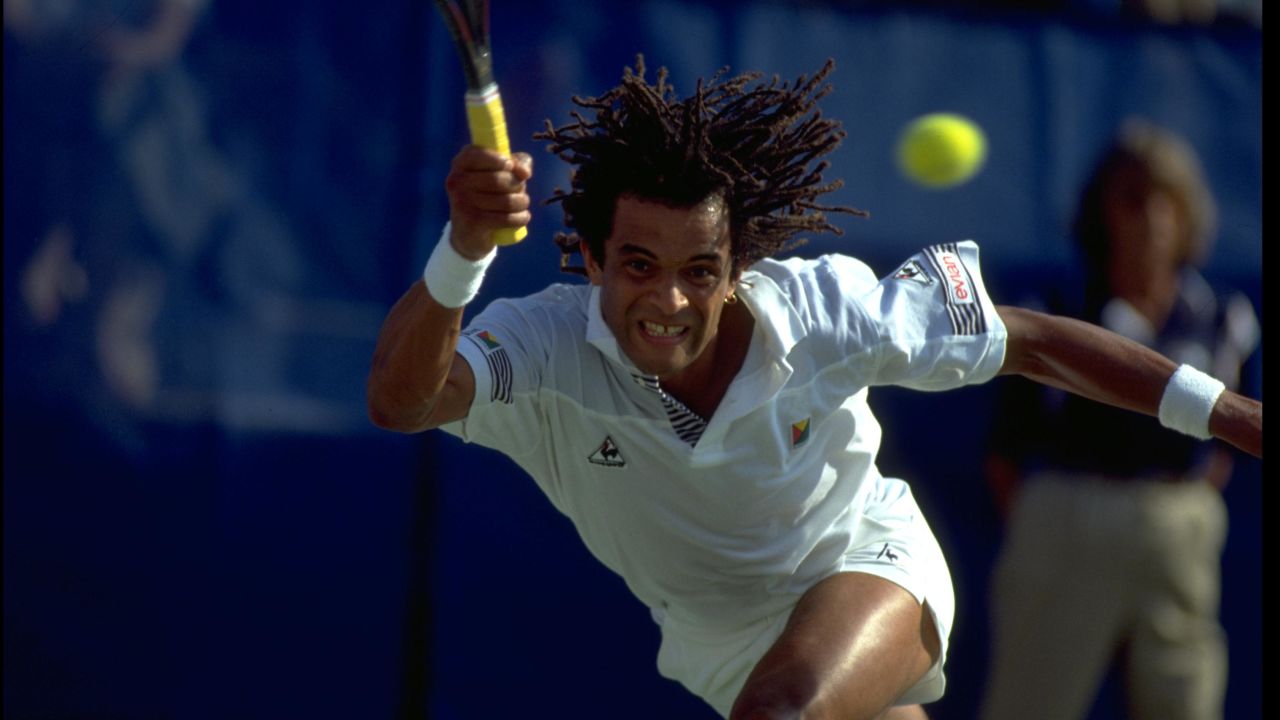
(699, 409)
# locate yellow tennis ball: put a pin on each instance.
(941, 150)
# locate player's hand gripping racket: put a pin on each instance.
(468, 22)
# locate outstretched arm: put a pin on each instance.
(1098, 364)
(418, 381)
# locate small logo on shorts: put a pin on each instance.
(607, 454)
(887, 554)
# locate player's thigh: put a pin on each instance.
(853, 645)
(904, 712)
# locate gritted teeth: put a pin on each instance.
(661, 330)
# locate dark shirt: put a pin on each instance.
(1050, 429)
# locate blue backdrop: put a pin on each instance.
(199, 520)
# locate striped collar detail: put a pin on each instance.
(687, 424)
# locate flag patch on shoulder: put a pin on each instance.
(489, 340)
(499, 364)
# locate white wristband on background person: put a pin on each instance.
(1188, 401)
(452, 279)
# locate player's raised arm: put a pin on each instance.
(1088, 360)
(417, 380)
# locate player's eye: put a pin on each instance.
(701, 273)
(637, 265)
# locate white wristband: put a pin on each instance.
(451, 279)
(1188, 401)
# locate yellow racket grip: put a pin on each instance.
(488, 128)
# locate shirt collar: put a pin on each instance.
(775, 316)
(600, 336)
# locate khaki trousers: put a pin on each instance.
(1096, 570)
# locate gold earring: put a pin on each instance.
(731, 299)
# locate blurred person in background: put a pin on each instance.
(138, 252)
(1115, 525)
(94, 206)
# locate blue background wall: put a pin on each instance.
(238, 541)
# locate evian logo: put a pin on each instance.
(959, 285)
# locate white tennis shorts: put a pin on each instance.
(892, 541)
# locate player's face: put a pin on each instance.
(663, 282)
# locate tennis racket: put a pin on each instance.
(468, 22)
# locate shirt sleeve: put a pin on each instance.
(507, 349)
(935, 326)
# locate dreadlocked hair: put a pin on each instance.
(746, 143)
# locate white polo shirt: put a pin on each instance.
(721, 522)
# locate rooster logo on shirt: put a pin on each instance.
(607, 454)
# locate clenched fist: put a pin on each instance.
(486, 191)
